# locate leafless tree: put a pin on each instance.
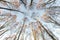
(35, 30)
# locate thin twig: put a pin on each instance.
(5, 1)
(48, 2)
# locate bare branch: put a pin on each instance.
(11, 9)
(49, 32)
(23, 2)
(21, 30)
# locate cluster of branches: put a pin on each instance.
(45, 17)
(25, 3)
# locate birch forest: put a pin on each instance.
(29, 19)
